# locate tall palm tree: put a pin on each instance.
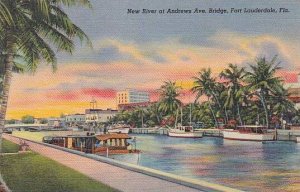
(235, 77)
(31, 29)
(263, 82)
(168, 101)
(205, 84)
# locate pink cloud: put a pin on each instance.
(99, 93)
(63, 95)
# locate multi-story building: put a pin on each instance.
(95, 116)
(75, 119)
(292, 84)
(130, 96)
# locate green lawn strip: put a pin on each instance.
(9, 147)
(35, 173)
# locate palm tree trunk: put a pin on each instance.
(219, 104)
(6, 84)
(239, 114)
(265, 109)
(213, 114)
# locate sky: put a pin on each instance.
(141, 51)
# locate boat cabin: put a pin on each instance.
(185, 128)
(260, 129)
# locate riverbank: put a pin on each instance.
(122, 176)
(35, 173)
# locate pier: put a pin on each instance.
(288, 135)
(164, 131)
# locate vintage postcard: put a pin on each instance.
(152, 96)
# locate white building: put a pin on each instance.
(132, 96)
(75, 119)
(56, 122)
(99, 115)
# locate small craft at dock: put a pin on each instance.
(119, 128)
(185, 132)
(114, 143)
(249, 133)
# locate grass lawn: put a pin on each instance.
(35, 173)
(9, 147)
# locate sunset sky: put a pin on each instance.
(142, 51)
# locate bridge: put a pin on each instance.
(26, 126)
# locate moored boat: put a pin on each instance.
(249, 133)
(115, 143)
(185, 132)
(119, 129)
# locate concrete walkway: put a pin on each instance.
(116, 177)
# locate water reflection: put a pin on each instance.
(245, 165)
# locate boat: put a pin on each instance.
(119, 128)
(114, 143)
(185, 132)
(249, 133)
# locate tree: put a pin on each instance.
(263, 82)
(31, 29)
(204, 84)
(235, 77)
(44, 121)
(28, 119)
(168, 101)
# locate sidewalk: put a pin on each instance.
(116, 177)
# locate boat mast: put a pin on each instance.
(190, 114)
(181, 116)
(142, 119)
(176, 118)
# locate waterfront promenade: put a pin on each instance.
(116, 177)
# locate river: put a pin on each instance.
(250, 166)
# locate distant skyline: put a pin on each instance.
(142, 51)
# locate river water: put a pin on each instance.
(250, 166)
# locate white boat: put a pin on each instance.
(185, 132)
(249, 133)
(119, 129)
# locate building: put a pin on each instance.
(56, 122)
(130, 96)
(75, 119)
(293, 87)
(95, 116)
(131, 106)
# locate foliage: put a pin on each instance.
(11, 121)
(28, 119)
(236, 96)
(44, 121)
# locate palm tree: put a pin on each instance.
(31, 29)
(235, 77)
(205, 84)
(281, 104)
(169, 102)
(263, 82)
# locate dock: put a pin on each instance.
(288, 135)
(119, 175)
(164, 131)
